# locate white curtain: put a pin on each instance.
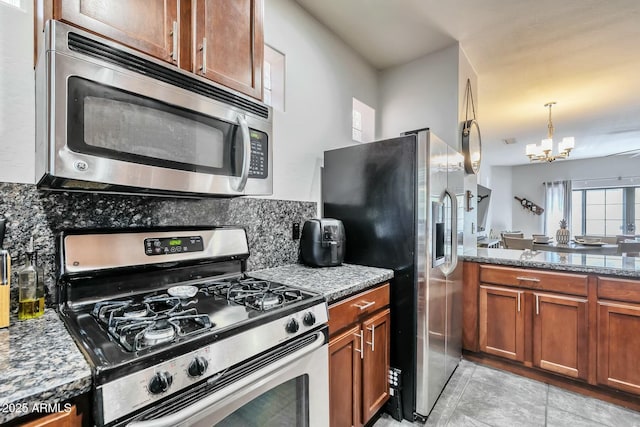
(557, 205)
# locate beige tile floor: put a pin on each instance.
(478, 396)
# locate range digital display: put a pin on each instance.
(173, 245)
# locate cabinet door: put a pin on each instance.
(345, 364)
(502, 322)
(619, 346)
(59, 419)
(230, 43)
(560, 335)
(375, 368)
(150, 26)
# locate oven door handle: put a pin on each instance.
(241, 387)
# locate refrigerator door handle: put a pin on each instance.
(450, 267)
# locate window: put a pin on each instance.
(363, 122)
(576, 212)
(605, 211)
(273, 78)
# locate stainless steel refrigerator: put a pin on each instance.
(401, 203)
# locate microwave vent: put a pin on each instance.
(148, 68)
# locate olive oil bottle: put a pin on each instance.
(30, 299)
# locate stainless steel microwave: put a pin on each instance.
(111, 119)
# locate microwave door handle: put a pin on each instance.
(246, 153)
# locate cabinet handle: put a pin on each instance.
(203, 49)
(174, 39)
(360, 335)
(537, 304)
(518, 302)
(364, 306)
(528, 279)
(373, 338)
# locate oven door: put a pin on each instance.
(116, 128)
(290, 388)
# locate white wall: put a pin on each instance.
(526, 181)
(17, 111)
(422, 93)
(499, 216)
(322, 76)
(466, 71)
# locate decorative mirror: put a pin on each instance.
(471, 141)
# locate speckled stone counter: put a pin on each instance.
(333, 282)
(610, 265)
(39, 363)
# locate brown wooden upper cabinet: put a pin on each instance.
(229, 43)
(150, 26)
(221, 40)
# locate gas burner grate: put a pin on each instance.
(156, 320)
(257, 294)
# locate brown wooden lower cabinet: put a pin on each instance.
(619, 345)
(502, 322)
(556, 325)
(359, 352)
(69, 418)
(560, 335)
(375, 363)
(345, 388)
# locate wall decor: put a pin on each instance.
(528, 204)
(471, 141)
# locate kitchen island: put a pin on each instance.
(40, 367)
(567, 319)
(614, 265)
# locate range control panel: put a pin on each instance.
(173, 245)
(258, 167)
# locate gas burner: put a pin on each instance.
(136, 311)
(159, 332)
(266, 301)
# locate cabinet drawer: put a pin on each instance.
(349, 311)
(575, 284)
(619, 289)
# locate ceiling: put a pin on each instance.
(582, 54)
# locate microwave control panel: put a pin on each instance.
(258, 168)
(173, 245)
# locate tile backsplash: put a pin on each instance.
(41, 214)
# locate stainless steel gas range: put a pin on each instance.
(177, 335)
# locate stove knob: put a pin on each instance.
(198, 366)
(292, 326)
(309, 319)
(160, 382)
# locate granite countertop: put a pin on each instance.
(39, 363)
(611, 265)
(333, 282)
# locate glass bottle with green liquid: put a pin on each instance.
(30, 288)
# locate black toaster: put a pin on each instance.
(322, 243)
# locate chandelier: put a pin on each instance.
(544, 151)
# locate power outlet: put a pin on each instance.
(295, 232)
